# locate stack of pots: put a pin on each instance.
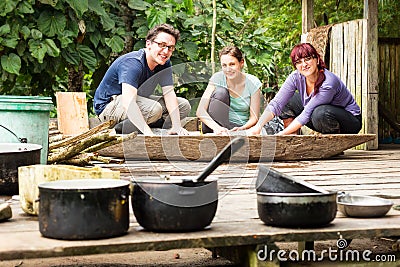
(283, 201)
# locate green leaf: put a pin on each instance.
(191, 50)
(138, 5)
(71, 56)
(6, 6)
(25, 31)
(155, 17)
(79, 6)
(11, 63)
(51, 23)
(95, 38)
(189, 6)
(52, 48)
(104, 51)
(5, 29)
(95, 5)
(38, 49)
(116, 43)
(142, 31)
(53, 3)
(195, 21)
(36, 34)
(25, 7)
(108, 23)
(10, 42)
(88, 57)
(66, 38)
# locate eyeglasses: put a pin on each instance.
(304, 59)
(164, 45)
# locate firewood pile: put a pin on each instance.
(81, 149)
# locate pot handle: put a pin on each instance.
(21, 140)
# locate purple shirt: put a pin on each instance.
(332, 92)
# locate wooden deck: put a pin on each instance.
(236, 225)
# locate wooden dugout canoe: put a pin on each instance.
(256, 148)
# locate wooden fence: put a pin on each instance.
(348, 60)
(389, 86)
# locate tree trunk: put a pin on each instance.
(75, 78)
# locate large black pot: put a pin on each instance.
(12, 156)
(183, 205)
(296, 209)
(84, 208)
(174, 206)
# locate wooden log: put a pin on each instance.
(256, 148)
(98, 128)
(75, 148)
(110, 143)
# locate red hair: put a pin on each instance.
(307, 50)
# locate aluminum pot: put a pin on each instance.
(12, 156)
(84, 208)
(296, 209)
(174, 206)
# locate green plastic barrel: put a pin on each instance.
(27, 117)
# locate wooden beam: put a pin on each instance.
(307, 15)
(371, 125)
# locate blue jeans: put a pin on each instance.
(326, 119)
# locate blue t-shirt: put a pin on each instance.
(239, 109)
(132, 69)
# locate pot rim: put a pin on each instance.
(83, 184)
(289, 194)
(8, 148)
(174, 180)
(346, 200)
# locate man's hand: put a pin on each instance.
(178, 131)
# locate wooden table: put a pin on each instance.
(236, 230)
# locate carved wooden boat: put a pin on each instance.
(256, 148)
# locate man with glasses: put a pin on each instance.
(125, 94)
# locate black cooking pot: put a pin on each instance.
(174, 205)
(296, 209)
(84, 208)
(180, 205)
(12, 156)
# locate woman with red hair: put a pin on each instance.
(312, 96)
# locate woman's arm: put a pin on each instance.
(202, 113)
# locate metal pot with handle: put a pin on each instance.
(180, 205)
(84, 208)
(12, 156)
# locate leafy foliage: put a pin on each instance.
(45, 45)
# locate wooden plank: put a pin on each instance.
(256, 148)
(345, 58)
(72, 113)
(371, 16)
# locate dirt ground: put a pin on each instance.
(200, 257)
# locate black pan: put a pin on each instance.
(180, 205)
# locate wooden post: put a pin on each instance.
(371, 67)
(307, 15)
(72, 115)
